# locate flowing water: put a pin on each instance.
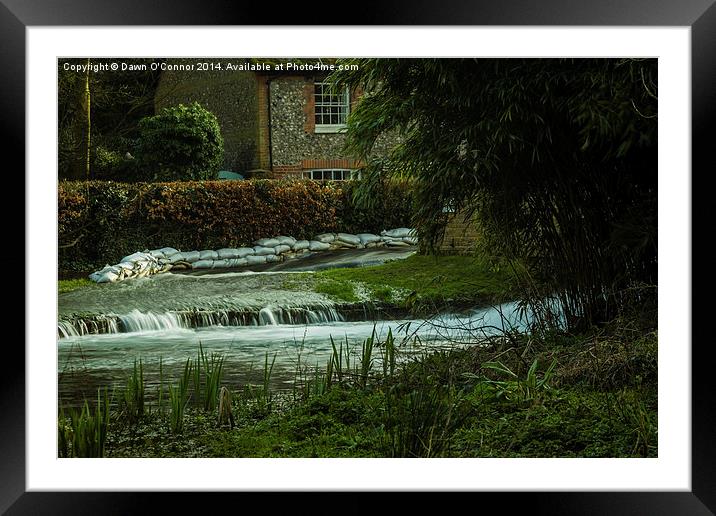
(96, 360)
(243, 316)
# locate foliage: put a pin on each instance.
(99, 222)
(530, 388)
(430, 281)
(557, 157)
(85, 434)
(179, 399)
(181, 143)
(118, 101)
(72, 284)
(132, 402)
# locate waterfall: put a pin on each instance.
(137, 321)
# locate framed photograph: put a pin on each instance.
(219, 159)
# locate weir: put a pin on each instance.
(138, 321)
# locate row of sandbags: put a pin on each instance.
(265, 250)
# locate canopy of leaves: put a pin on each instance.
(556, 157)
(119, 99)
(180, 143)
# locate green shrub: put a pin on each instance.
(181, 143)
(99, 221)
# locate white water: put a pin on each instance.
(94, 360)
(137, 321)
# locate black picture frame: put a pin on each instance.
(699, 15)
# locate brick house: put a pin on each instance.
(274, 124)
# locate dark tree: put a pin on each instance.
(119, 99)
(556, 158)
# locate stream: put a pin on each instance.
(246, 317)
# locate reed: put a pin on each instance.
(419, 423)
(389, 355)
(213, 367)
(366, 362)
(160, 388)
(86, 433)
(132, 405)
(179, 399)
(337, 360)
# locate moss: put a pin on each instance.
(72, 284)
(337, 290)
(432, 280)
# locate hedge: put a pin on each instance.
(99, 222)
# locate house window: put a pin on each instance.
(331, 108)
(330, 174)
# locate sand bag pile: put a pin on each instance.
(265, 250)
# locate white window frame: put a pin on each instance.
(352, 174)
(329, 128)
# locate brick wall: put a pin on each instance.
(461, 236)
(295, 144)
(257, 134)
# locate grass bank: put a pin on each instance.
(419, 283)
(68, 285)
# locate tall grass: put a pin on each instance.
(389, 355)
(86, 433)
(132, 403)
(419, 423)
(366, 360)
(179, 399)
(160, 388)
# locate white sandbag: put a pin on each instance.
(135, 257)
(368, 245)
(263, 251)
(243, 252)
(272, 258)
(237, 262)
(107, 277)
(220, 264)
(411, 240)
(176, 257)
(108, 274)
(267, 242)
(144, 265)
(325, 237)
(367, 238)
(191, 256)
(317, 245)
(396, 243)
(227, 253)
(398, 232)
(208, 255)
(255, 260)
(286, 240)
(203, 264)
(281, 248)
(168, 251)
(157, 253)
(127, 266)
(340, 244)
(300, 244)
(348, 238)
